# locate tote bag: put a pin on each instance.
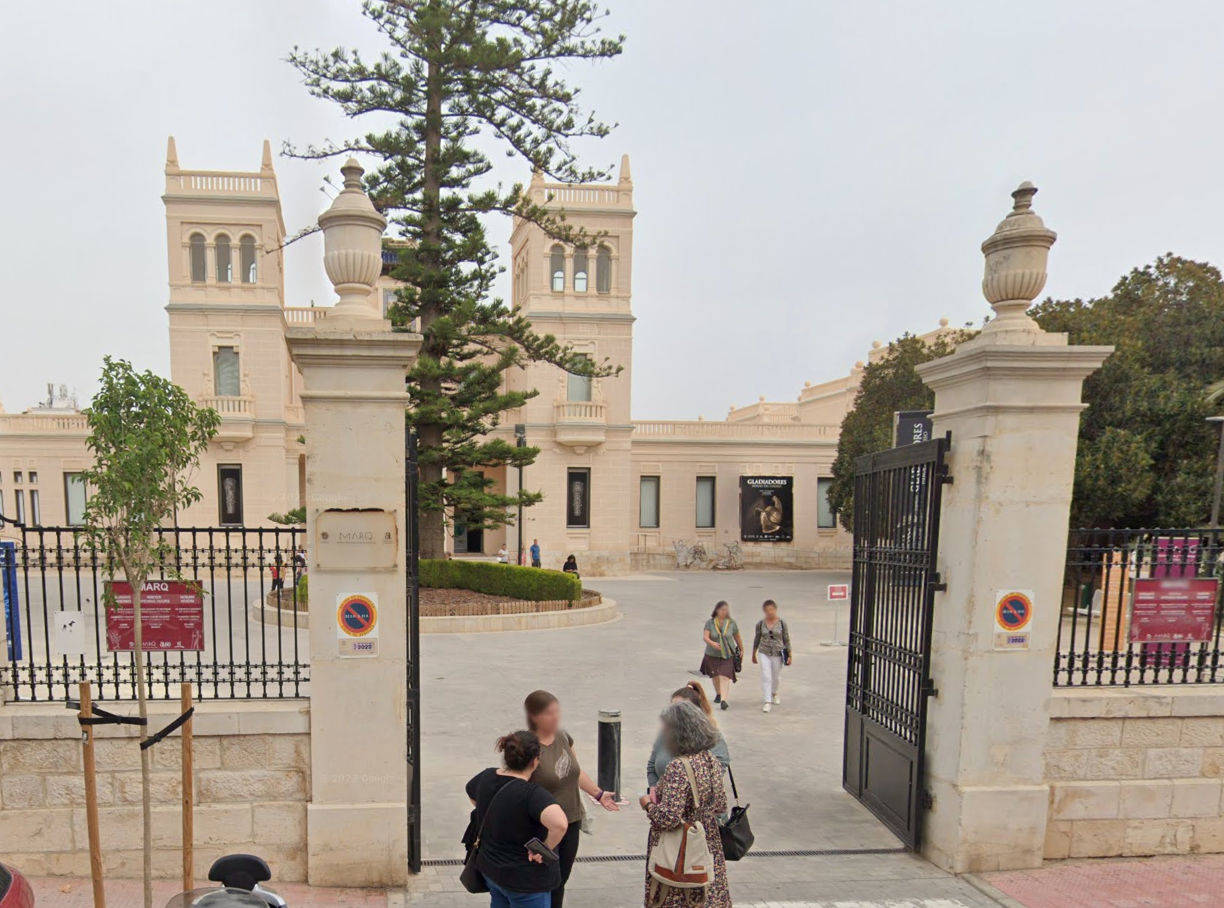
(681, 859)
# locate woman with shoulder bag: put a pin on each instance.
(510, 812)
(561, 776)
(683, 817)
(724, 652)
(773, 642)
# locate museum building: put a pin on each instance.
(619, 494)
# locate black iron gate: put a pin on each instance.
(413, 712)
(896, 535)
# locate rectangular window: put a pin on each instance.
(579, 386)
(74, 499)
(35, 510)
(20, 505)
(389, 300)
(33, 477)
(226, 379)
(648, 502)
(1, 504)
(705, 502)
(578, 498)
(17, 476)
(229, 493)
(825, 518)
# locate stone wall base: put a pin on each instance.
(360, 845)
(1136, 771)
(983, 829)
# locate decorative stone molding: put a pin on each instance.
(1017, 254)
(352, 245)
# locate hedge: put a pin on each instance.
(532, 584)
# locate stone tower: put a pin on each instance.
(224, 233)
(583, 296)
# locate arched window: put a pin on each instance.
(580, 271)
(199, 270)
(556, 267)
(225, 265)
(603, 270)
(246, 258)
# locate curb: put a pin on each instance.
(1001, 898)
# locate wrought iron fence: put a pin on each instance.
(1173, 637)
(252, 650)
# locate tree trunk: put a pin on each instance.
(432, 522)
(145, 761)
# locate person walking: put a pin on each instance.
(511, 811)
(772, 641)
(661, 757)
(724, 650)
(535, 553)
(278, 574)
(503, 557)
(561, 776)
(690, 791)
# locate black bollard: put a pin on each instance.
(609, 756)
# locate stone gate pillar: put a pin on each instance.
(353, 368)
(1011, 398)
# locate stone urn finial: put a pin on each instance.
(1016, 257)
(352, 245)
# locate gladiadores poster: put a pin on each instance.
(767, 508)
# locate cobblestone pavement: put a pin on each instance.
(1162, 882)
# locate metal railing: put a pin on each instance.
(1172, 638)
(252, 650)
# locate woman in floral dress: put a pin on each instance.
(687, 732)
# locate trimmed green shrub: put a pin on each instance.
(532, 584)
(303, 592)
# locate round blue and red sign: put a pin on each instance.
(356, 615)
(1014, 611)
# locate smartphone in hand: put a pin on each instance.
(535, 846)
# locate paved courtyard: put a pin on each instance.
(787, 763)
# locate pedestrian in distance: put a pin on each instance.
(571, 566)
(535, 553)
(278, 574)
(724, 652)
(661, 757)
(510, 811)
(559, 773)
(772, 641)
(690, 791)
(503, 556)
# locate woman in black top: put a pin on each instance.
(510, 812)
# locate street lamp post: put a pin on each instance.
(520, 441)
(1219, 475)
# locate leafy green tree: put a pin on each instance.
(1146, 451)
(888, 385)
(457, 73)
(146, 436)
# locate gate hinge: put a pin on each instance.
(929, 689)
(928, 799)
(936, 583)
(946, 479)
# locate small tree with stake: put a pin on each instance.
(146, 436)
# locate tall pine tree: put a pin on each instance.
(455, 71)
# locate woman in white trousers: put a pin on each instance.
(771, 649)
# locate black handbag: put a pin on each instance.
(739, 661)
(471, 878)
(735, 831)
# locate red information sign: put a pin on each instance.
(171, 613)
(839, 591)
(1173, 610)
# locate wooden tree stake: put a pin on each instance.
(91, 800)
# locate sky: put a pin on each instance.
(809, 176)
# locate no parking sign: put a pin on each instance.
(357, 624)
(1013, 612)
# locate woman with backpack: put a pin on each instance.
(773, 642)
(685, 867)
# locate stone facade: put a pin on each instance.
(251, 765)
(1135, 772)
(228, 320)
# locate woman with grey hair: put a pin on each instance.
(689, 736)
